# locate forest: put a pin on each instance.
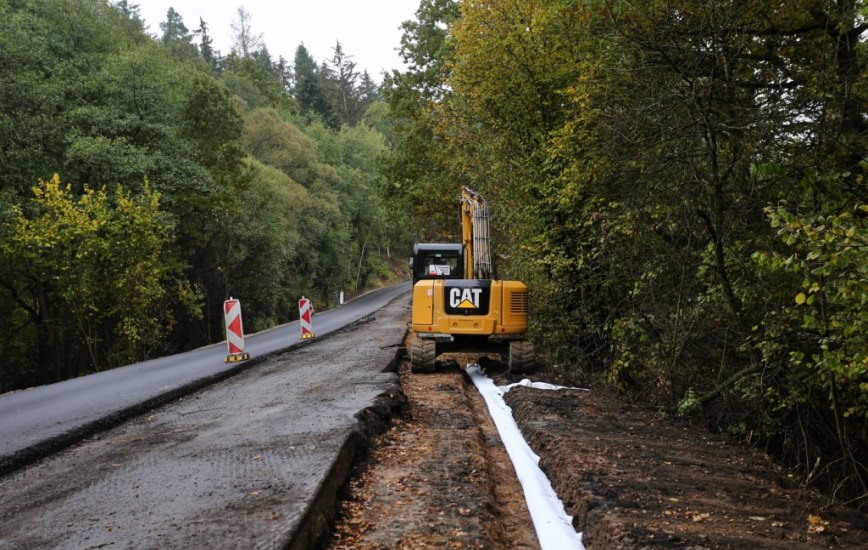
(146, 178)
(681, 185)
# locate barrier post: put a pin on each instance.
(305, 318)
(234, 331)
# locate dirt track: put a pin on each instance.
(631, 479)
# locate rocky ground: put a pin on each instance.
(440, 478)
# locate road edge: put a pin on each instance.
(316, 522)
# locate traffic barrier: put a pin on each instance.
(305, 318)
(234, 331)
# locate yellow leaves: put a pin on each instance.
(800, 298)
(816, 524)
(97, 255)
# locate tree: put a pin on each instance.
(38, 40)
(309, 91)
(90, 274)
(343, 87)
(177, 37)
(283, 72)
(244, 41)
(133, 15)
(368, 91)
(163, 193)
(634, 152)
(205, 48)
(419, 165)
(281, 145)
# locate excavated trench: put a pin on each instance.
(438, 478)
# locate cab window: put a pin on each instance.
(437, 265)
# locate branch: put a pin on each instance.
(18, 300)
(719, 388)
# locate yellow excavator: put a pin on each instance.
(458, 304)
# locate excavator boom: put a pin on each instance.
(475, 235)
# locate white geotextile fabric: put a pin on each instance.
(537, 386)
(553, 526)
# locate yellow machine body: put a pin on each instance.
(460, 305)
(443, 308)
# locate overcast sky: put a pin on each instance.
(367, 29)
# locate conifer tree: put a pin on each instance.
(308, 90)
(205, 41)
(176, 35)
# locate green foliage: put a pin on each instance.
(631, 152)
(310, 90)
(275, 142)
(177, 37)
(254, 82)
(266, 245)
(249, 204)
(419, 165)
(689, 404)
(829, 253)
(98, 260)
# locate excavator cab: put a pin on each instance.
(437, 261)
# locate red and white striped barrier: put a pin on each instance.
(234, 331)
(305, 318)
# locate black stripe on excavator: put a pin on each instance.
(468, 297)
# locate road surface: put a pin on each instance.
(46, 418)
(253, 461)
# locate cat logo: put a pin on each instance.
(464, 298)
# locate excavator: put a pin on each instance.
(458, 303)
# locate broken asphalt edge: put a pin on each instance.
(312, 530)
(47, 447)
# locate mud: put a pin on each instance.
(634, 479)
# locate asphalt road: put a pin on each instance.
(252, 461)
(36, 421)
